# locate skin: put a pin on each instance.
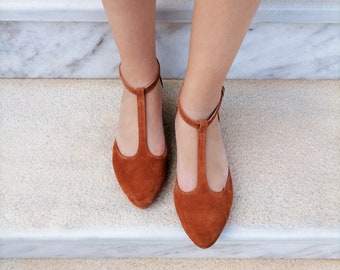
(218, 29)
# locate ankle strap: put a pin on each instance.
(147, 88)
(196, 124)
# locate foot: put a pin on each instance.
(127, 128)
(216, 159)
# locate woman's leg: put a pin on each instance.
(218, 30)
(132, 23)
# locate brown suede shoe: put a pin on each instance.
(203, 212)
(140, 176)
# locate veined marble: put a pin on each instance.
(87, 50)
(170, 243)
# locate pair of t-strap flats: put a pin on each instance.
(203, 212)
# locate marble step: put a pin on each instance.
(59, 197)
(71, 39)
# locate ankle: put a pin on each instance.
(197, 110)
(139, 73)
(198, 103)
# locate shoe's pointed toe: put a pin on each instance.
(140, 177)
(203, 213)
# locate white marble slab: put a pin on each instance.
(170, 243)
(87, 50)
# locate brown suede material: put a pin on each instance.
(203, 212)
(140, 176)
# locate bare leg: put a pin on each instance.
(218, 30)
(132, 23)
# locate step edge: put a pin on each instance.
(293, 247)
(20, 10)
(150, 233)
